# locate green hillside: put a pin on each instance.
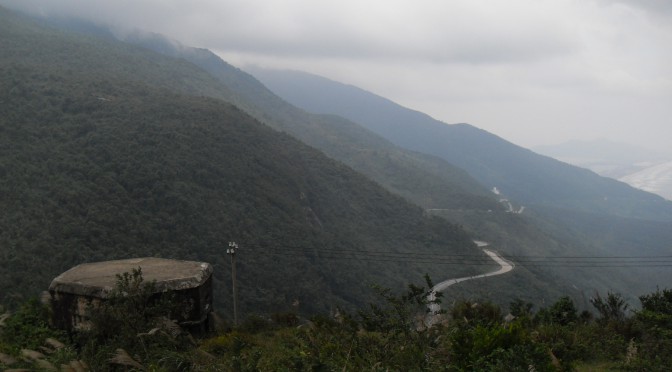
(424, 179)
(112, 151)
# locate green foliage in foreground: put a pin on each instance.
(390, 336)
(134, 320)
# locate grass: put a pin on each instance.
(598, 366)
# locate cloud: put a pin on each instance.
(434, 30)
(533, 71)
(653, 7)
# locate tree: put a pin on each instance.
(654, 323)
(659, 302)
(562, 312)
(485, 313)
(520, 308)
(397, 312)
(612, 308)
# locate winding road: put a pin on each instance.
(505, 267)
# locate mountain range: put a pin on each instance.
(563, 202)
(142, 146)
(519, 173)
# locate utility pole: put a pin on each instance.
(233, 246)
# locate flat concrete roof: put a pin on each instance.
(97, 279)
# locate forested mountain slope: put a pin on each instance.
(111, 151)
(519, 173)
(424, 179)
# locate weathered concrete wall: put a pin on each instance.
(86, 285)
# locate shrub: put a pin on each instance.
(28, 327)
(132, 319)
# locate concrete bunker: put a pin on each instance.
(76, 290)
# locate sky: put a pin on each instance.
(535, 72)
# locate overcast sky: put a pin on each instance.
(532, 71)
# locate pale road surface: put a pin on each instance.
(505, 267)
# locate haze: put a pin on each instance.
(534, 72)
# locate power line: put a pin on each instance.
(285, 247)
(464, 259)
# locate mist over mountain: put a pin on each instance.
(656, 178)
(521, 174)
(604, 157)
(563, 202)
(336, 137)
(639, 167)
(328, 224)
(421, 178)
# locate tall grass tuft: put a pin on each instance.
(121, 357)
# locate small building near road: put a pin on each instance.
(84, 286)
